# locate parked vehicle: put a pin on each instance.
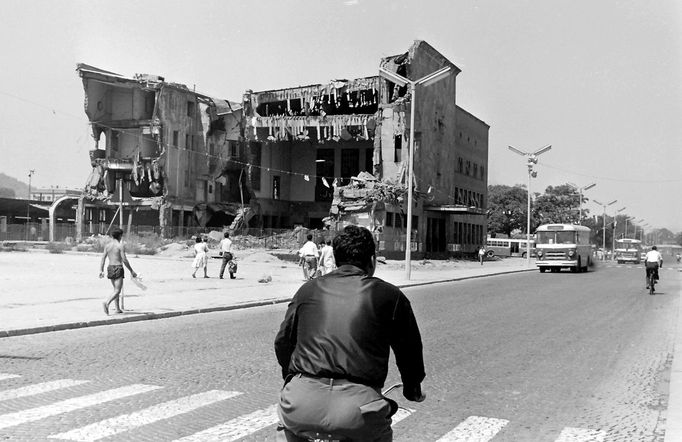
(508, 247)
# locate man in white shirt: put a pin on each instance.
(226, 253)
(309, 255)
(652, 261)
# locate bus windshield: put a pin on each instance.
(556, 238)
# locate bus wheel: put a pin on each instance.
(490, 254)
(542, 269)
(523, 255)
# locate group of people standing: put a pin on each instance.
(201, 257)
(316, 261)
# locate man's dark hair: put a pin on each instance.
(310, 237)
(226, 234)
(198, 240)
(654, 248)
(355, 246)
(116, 233)
(329, 242)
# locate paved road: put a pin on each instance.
(525, 357)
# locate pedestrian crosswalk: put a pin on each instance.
(258, 421)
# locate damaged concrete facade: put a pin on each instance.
(346, 142)
(160, 148)
(318, 155)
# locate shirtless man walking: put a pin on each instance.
(117, 257)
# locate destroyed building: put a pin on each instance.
(321, 155)
(161, 150)
(345, 144)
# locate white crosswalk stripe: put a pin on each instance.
(126, 422)
(44, 387)
(34, 414)
(4, 376)
(475, 429)
(237, 427)
(572, 434)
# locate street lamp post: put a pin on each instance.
(604, 220)
(532, 160)
(403, 81)
(580, 207)
(615, 223)
(28, 204)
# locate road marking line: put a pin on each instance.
(572, 434)
(34, 414)
(401, 414)
(4, 376)
(125, 422)
(475, 429)
(43, 387)
(236, 428)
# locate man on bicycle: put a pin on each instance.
(652, 261)
(334, 345)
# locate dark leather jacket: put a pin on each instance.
(343, 325)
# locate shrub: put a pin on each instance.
(57, 247)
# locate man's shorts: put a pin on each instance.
(115, 272)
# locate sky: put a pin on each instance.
(599, 81)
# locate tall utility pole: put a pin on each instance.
(403, 81)
(604, 206)
(580, 207)
(28, 205)
(532, 160)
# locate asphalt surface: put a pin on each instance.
(491, 361)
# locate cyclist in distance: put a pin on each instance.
(652, 261)
(334, 345)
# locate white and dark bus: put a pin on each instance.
(508, 247)
(563, 246)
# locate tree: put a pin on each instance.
(506, 208)
(560, 205)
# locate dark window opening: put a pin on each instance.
(389, 219)
(190, 108)
(324, 169)
(350, 164)
(256, 164)
(397, 148)
(275, 187)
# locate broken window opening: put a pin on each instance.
(397, 148)
(342, 103)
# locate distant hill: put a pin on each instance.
(7, 182)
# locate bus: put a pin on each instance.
(628, 250)
(560, 246)
(508, 247)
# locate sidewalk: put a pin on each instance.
(42, 292)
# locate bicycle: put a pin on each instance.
(315, 436)
(652, 282)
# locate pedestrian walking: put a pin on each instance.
(327, 261)
(334, 344)
(200, 257)
(309, 255)
(481, 254)
(115, 252)
(226, 253)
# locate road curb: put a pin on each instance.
(250, 304)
